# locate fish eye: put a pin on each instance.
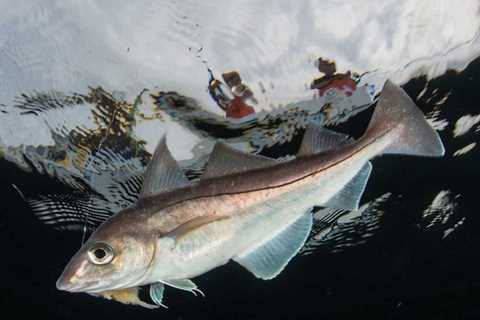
(100, 253)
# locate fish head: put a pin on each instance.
(118, 255)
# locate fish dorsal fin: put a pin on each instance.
(268, 260)
(225, 160)
(317, 139)
(163, 173)
(156, 294)
(184, 284)
(349, 197)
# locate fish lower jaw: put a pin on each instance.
(99, 287)
(76, 288)
(94, 290)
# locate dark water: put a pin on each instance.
(73, 149)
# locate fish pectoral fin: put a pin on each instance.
(184, 284)
(192, 225)
(225, 160)
(156, 294)
(317, 139)
(268, 260)
(349, 197)
(163, 173)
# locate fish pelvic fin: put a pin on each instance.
(185, 285)
(156, 294)
(395, 111)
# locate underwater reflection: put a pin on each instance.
(100, 156)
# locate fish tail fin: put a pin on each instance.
(396, 112)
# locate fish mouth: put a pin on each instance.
(87, 287)
(72, 287)
(65, 284)
(95, 286)
(69, 282)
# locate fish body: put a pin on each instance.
(233, 224)
(250, 209)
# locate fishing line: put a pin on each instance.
(85, 223)
(20, 193)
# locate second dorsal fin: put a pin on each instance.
(317, 139)
(163, 173)
(226, 160)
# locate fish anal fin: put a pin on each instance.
(349, 197)
(163, 173)
(268, 260)
(318, 139)
(225, 160)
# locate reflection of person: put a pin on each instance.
(233, 100)
(332, 79)
(326, 67)
(215, 89)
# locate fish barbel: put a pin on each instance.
(246, 208)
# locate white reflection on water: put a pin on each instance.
(129, 45)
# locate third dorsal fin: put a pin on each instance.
(317, 139)
(226, 160)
